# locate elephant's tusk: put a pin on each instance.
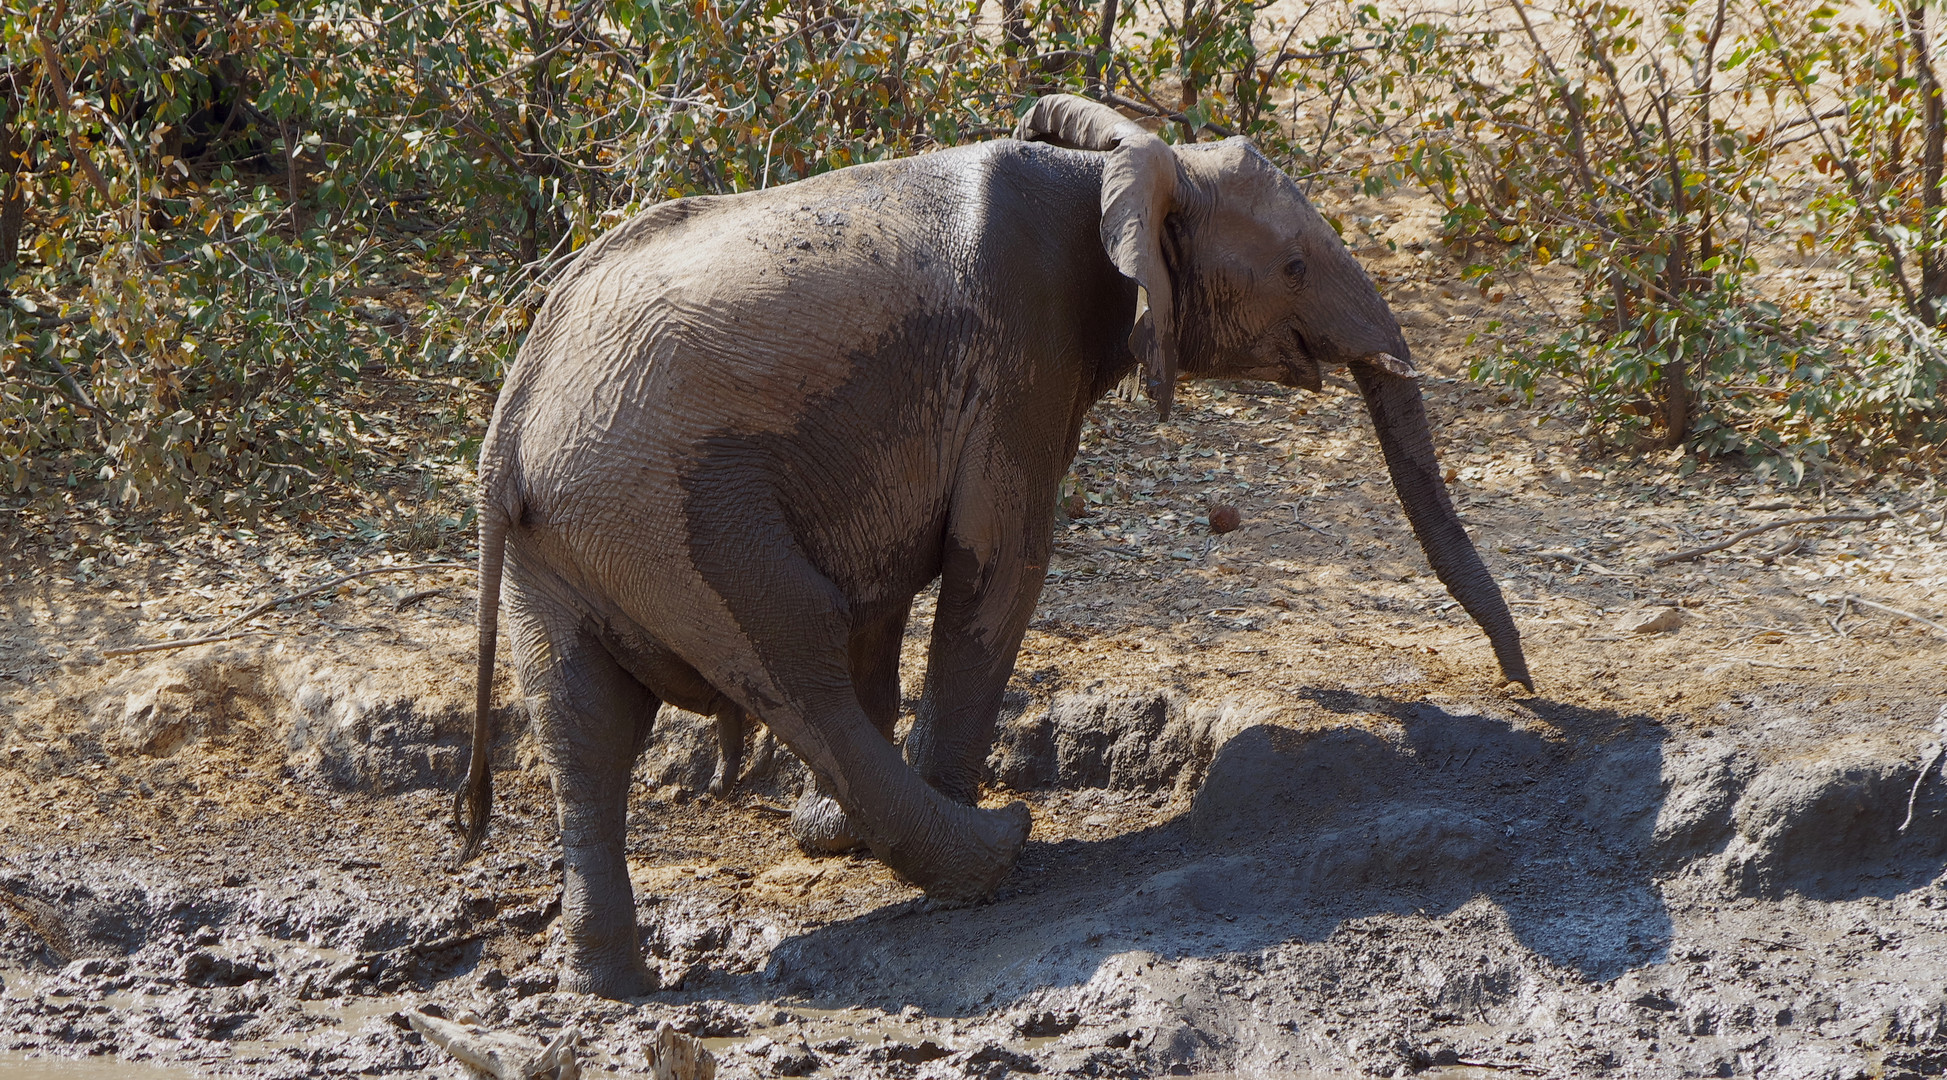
(1386, 361)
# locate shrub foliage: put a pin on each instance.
(210, 214)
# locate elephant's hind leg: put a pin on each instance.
(798, 677)
(591, 717)
(818, 822)
(730, 749)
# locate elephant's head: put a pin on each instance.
(1239, 277)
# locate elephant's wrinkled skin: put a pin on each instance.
(746, 430)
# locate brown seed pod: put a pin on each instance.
(1223, 518)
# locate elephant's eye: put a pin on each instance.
(1294, 271)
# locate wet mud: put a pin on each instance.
(1341, 880)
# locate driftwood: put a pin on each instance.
(502, 1057)
(676, 1056)
(672, 1054)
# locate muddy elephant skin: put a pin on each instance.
(746, 430)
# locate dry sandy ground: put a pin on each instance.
(1286, 820)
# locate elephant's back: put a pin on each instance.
(735, 313)
(818, 313)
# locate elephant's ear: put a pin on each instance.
(1140, 187)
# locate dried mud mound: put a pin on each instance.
(1332, 880)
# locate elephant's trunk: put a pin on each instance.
(1399, 416)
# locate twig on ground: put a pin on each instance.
(415, 597)
(1891, 610)
(1691, 553)
(1914, 795)
(222, 633)
(1592, 567)
(270, 605)
(1509, 1066)
(1782, 550)
(167, 646)
(1296, 520)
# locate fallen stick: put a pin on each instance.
(222, 633)
(502, 1057)
(1692, 553)
(1769, 664)
(1891, 610)
(1914, 795)
(270, 605)
(167, 646)
(1592, 567)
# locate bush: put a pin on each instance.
(199, 219)
(1651, 147)
(234, 244)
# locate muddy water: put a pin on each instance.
(17, 1066)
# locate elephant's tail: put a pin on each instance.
(473, 803)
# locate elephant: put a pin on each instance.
(746, 430)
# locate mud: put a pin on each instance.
(1333, 881)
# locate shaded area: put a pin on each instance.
(1290, 835)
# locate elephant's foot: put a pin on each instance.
(970, 852)
(611, 982)
(730, 750)
(604, 952)
(820, 826)
(723, 781)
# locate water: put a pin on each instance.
(15, 1065)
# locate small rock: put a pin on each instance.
(788, 1059)
(95, 967)
(207, 969)
(927, 1050)
(1044, 1025)
(996, 1061)
(1653, 621)
(1224, 518)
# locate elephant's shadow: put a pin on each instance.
(1291, 835)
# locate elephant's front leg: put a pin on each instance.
(590, 717)
(989, 582)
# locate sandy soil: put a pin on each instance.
(1286, 820)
